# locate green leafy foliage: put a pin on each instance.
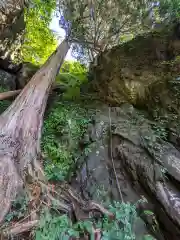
(39, 41)
(170, 9)
(62, 131)
(55, 227)
(98, 25)
(125, 216)
(72, 74)
(18, 209)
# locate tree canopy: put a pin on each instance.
(91, 26)
(94, 26)
(97, 25)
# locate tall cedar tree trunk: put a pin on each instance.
(20, 130)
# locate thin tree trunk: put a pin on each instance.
(9, 94)
(21, 126)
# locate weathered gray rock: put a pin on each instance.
(7, 80)
(12, 27)
(25, 73)
(96, 179)
(145, 164)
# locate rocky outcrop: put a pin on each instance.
(130, 72)
(130, 158)
(15, 76)
(25, 73)
(7, 80)
(12, 26)
(137, 150)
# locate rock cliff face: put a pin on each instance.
(141, 135)
(131, 72)
(133, 152)
(12, 26)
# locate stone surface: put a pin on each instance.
(25, 73)
(132, 71)
(145, 165)
(7, 80)
(12, 27)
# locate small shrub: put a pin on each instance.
(122, 227)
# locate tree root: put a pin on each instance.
(67, 201)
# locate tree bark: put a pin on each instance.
(21, 127)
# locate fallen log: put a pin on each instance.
(7, 95)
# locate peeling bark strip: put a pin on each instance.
(20, 130)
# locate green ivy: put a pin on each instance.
(73, 75)
(54, 227)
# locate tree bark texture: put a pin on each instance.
(20, 130)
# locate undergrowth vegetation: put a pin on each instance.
(52, 226)
(63, 129)
(65, 125)
(18, 209)
(73, 75)
(61, 227)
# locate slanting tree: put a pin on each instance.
(20, 130)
